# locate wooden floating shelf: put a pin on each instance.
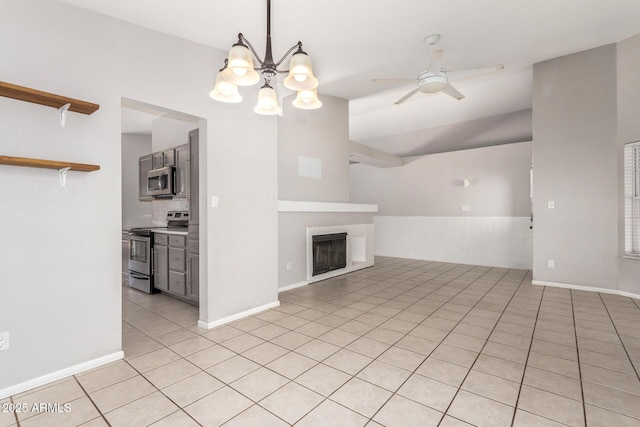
(45, 98)
(47, 164)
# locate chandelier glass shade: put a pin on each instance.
(267, 101)
(239, 70)
(225, 91)
(307, 100)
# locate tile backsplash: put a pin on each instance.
(161, 207)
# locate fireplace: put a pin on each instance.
(329, 252)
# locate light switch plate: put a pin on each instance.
(551, 204)
(214, 201)
(4, 341)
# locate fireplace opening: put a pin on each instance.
(329, 252)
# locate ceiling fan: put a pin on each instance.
(435, 78)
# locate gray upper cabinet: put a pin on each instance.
(145, 164)
(164, 158)
(194, 186)
(182, 171)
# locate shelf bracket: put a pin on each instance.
(63, 175)
(63, 114)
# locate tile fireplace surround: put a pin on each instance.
(360, 247)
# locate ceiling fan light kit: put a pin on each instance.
(435, 79)
(432, 83)
(239, 70)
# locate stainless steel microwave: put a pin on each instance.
(160, 182)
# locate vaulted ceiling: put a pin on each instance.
(351, 42)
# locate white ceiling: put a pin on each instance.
(351, 42)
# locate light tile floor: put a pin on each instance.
(403, 343)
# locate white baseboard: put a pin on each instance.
(586, 288)
(293, 286)
(58, 375)
(237, 316)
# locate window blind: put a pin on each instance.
(632, 198)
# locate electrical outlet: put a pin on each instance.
(551, 263)
(551, 204)
(4, 341)
(289, 266)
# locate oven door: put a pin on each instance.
(140, 254)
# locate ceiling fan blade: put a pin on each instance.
(452, 91)
(436, 61)
(394, 80)
(407, 96)
(473, 72)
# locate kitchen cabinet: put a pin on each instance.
(164, 158)
(193, 242)
(177, 265)
(193, 276)
(193, 263)
(145, 164)
(161, 262)
(170, 264)
(194, 170)
(182, 171)
(125, 255)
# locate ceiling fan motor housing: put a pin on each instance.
(432, 83)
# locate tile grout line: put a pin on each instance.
(373, 359)
(92, 402)
(575, 331)
(15, 414)
(434, 349)
(619, 337)
(325, 398)
(444, 413)
(431, 352)
(526, 362)
(180, 408)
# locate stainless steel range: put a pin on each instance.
(140, 261)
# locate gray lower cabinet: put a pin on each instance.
(193, 274)
(193, 263)
(170, 264)
(161, 262)
(177, 265)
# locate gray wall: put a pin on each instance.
(318, 134)
(432, 185)
(628, 70)
(419, 206)
(575, 163)
(504, 128)
(134, 212)
(74, 234)
(166, 133)
(292, 238)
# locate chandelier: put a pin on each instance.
(239, 70)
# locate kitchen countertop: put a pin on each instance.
(170, 231)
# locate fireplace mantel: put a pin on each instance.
(302, 206)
